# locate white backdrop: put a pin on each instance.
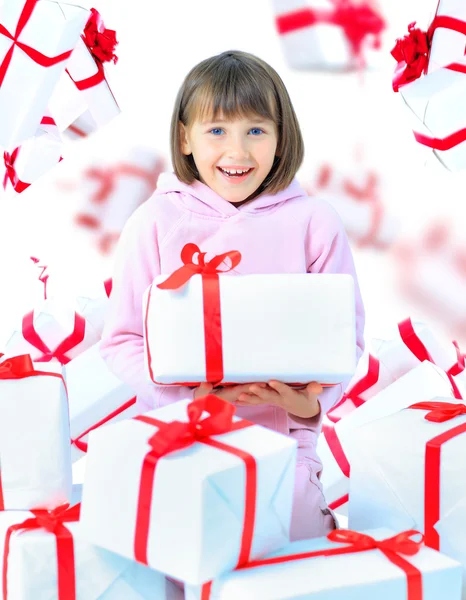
(159, 43)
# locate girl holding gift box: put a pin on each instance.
(236, 146)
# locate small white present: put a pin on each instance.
(52, 331)
(328, 35)
(81, 127)
(193, 331)
(84, 89)
(447, 33)
(423, 382)
(46, 556)
(96, 397)
(345, 564)
(34, 157)
(49, 31)
(407, 470)
(34, 436)
(187, 496)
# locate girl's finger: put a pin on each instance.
(282, 388)
(264, 394)
(315, 387)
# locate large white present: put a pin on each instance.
(36, 40)
(345, 564)
(96, 397)
(328, 35)
(407, 471)
(194, 332)
(34, 436)
(46, 556)
(84, 89)
(193, 513)
(34, 157)
(424, 382)
(52, 331)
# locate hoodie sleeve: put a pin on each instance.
(136, 264)
(329, 252)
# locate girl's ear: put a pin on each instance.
(184, 140)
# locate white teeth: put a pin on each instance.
(234, 171)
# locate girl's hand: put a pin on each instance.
(300, 403)
(229, 394)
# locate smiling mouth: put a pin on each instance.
(236, 174)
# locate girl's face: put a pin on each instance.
(221, 148)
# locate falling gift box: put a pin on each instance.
(195, 329)
(96, 397)
(83, 92)
(407, 470)
(52, 331)
(36, 41)
(347, 565)
(34, 436)
(190, 497)
(44, 555)
(430, 76)
(426, 381)
(333, 35)
(34, 157)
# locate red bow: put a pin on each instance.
(403, 543)
(358, 21)
(17, 367)
(182, 275)
(439, 412)
(100, 41)
(411, 52)
(177, 435)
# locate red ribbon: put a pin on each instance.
(369, 195)
(107, 178)
(415, 345)
(38, 57)
(11, 174)
(108, 284)
(411, 52)
(32, 337)
(53, 522)
(357, 22)
(176, 435)
(392, 548)
(439, 412)
(211, 298)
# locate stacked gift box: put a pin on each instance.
(191, 500)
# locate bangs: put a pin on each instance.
(235, 96)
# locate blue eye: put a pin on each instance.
(215, 130)
(257, 130)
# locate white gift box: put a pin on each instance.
(32, 570)
(94, 310)
(424, 382)
(447, 46)
(53, 29)
(54, 321)
(68, 103)
(197, 511)
(435, 103)
(353, 576)
(320, 46)
(95, 394)
(34, 441)
(81, 127)
(37, 156)
(316, 331)
(388, 466)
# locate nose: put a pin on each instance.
(238, 147)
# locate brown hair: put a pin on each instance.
(238, 84)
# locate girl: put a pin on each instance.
(236, 146)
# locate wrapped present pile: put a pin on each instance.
(430, 77)
(191, 501)
(51, 75)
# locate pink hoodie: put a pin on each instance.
(288, 232)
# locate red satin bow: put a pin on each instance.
(403, 543)
(182, 275)
(358, 21)
(439, 412)
(100, 41)
(17, 367)
(9, 159)
(411, 51)
(177, 435)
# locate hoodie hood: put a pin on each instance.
(200, 198)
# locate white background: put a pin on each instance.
(159, 43)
